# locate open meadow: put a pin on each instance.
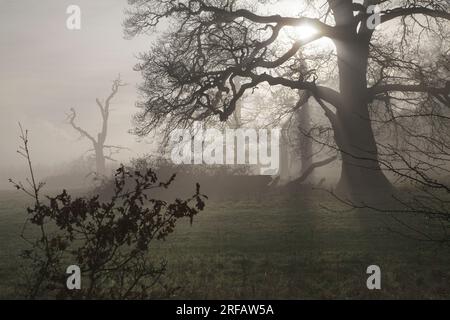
(298, 247)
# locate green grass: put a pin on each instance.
(275, 248)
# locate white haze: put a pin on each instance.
(45, 69)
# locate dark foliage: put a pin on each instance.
(109, 240)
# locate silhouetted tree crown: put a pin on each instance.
(215, 51)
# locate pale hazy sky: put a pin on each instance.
(45, 69)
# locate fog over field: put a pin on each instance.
(224, 149)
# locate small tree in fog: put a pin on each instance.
(98, 143)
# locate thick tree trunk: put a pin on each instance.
(361, 176)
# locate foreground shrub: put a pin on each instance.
(108, 240)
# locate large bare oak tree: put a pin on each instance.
(192, 72)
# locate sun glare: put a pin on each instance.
(305, 32)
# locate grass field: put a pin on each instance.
(282, 248)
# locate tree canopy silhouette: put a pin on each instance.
(191, 73)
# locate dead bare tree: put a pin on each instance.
(98, 143)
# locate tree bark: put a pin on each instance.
(361, 175)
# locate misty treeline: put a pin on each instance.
(375, 96)
(109, 240)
